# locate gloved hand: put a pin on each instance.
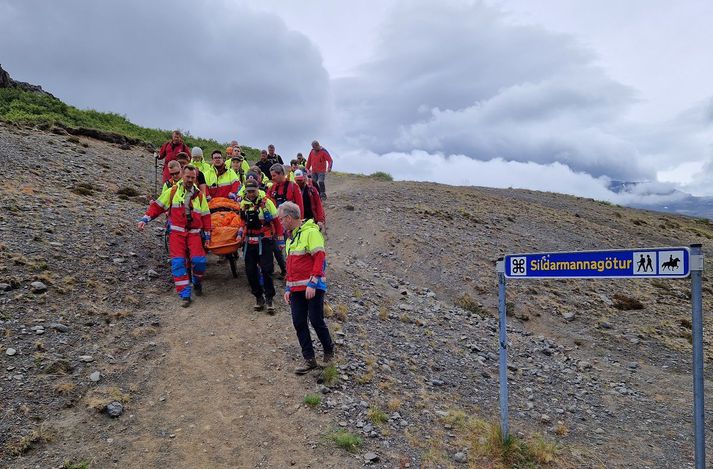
(232, 196)
(142, 222)
(205, 235)
(239, 236)
(208, 198)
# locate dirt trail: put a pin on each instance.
(224, 394)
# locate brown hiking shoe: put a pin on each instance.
(308, 366)
(328, 357)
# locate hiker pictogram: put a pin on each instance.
(644, 264)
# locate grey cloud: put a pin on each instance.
(460, 79)
(217, 69)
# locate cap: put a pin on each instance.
(182, 156)
(299, 174)
(251, 184)
(196, 151)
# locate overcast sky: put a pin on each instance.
(553, 95)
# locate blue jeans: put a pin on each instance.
(304, 309)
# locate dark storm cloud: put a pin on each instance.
(214, 68)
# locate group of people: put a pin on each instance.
(282, 217)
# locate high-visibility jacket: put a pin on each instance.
(221, 185)
(173, 202)
(200, 165)
(305, 258)
(259, 218)
(244, 168)
(241, 193)
(318, 161)
(168, 185)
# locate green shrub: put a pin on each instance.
(312, 400)
(346, 440)
(26, 107)
(381, 176)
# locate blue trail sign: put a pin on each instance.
(673, 262)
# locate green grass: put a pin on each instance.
(312, 400)
(75, 465)
(24, 107)
(330, 375)
(377, 416)
(346, 440)
(381, 176)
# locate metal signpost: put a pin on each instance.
(668, 262)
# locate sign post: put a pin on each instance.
(667, 262)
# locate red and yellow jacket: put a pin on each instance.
(221, 185)
(173, 202)
(306, 258)
(259, 219)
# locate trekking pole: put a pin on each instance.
(155, 175)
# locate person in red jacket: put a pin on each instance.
(319, 162)
(170, 149)
(189, 219)
(282, 191)
(311, 202)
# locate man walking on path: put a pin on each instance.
(170, 149)
(272, 156)
(313, 208)
(259, 216)
(306, 284)
(319, 162)
(190, 221)
(282, 191)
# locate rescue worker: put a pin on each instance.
(301, 161)
(182, 159)
(319, 162)
(170, 149)
(237, 155)
(190, 221)
(264, 182)
(282, 191)
(272, 156)
(254, 176)
(221, 180)
(306, 284)
(264, 163)
(259, 216)
(312, 203)
(174, 175)
(197, 159)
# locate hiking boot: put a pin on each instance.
(328, 357)
(270, 307)
(260, 303)
(308, 366)
(198, 289)
(185, 302)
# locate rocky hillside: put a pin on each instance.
(600, 370)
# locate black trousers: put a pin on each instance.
(260, 279)
(312, 310)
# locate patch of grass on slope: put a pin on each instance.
(26, 107)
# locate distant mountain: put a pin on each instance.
(664, 198)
